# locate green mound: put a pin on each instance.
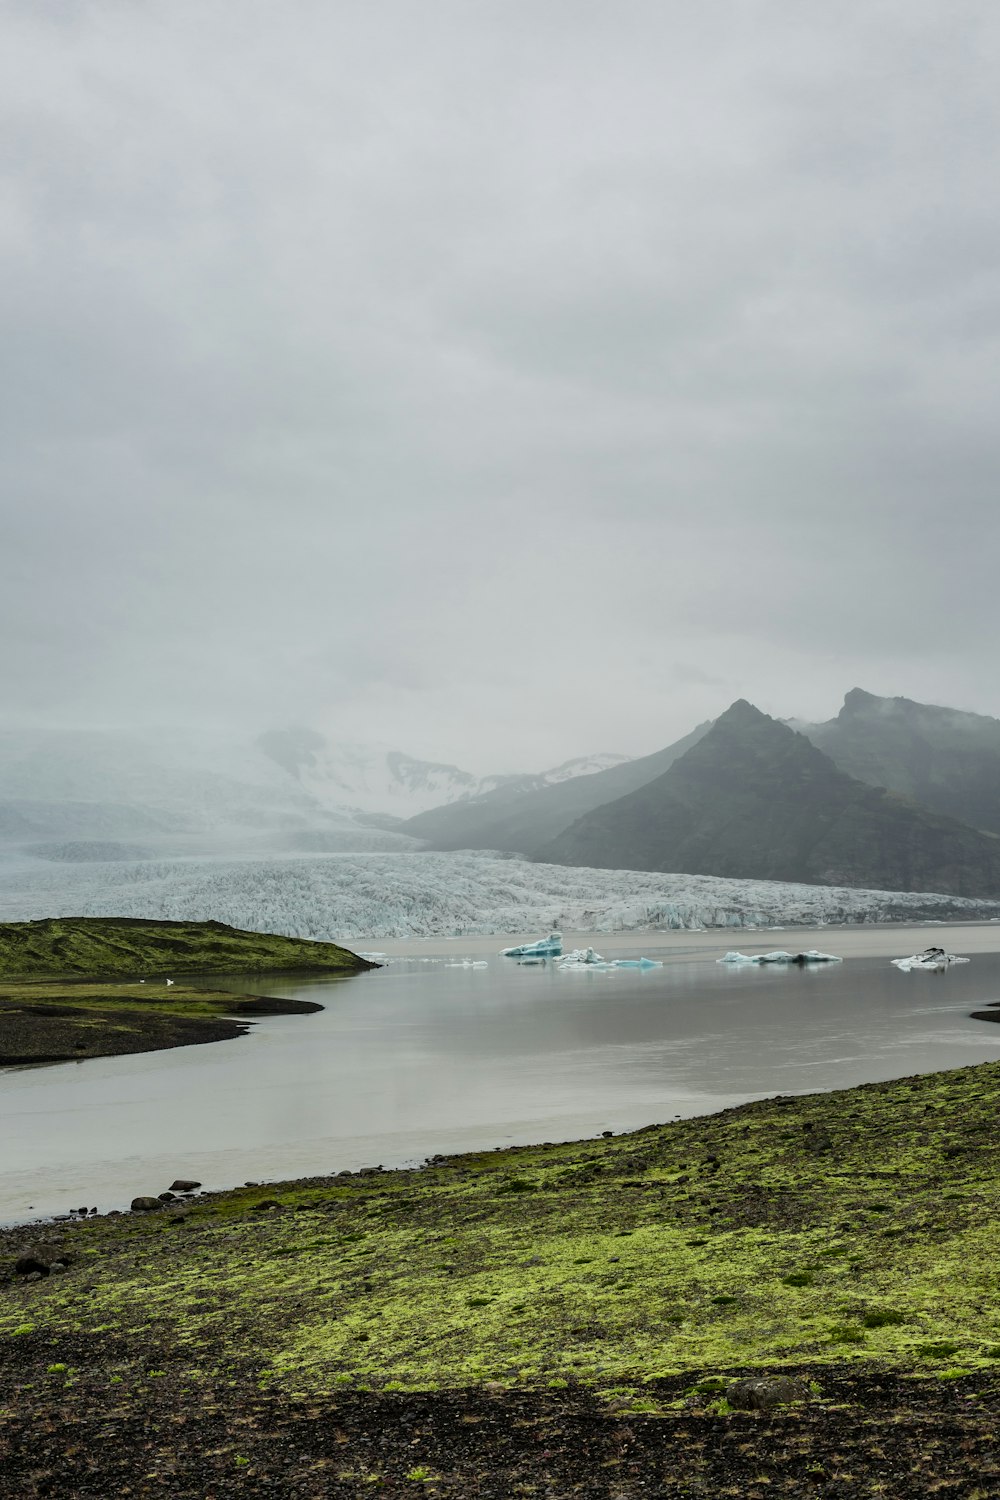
(105, 947)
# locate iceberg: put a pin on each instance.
(934, 959)
(583, 959)
(549, 947)
(779, 956)
(586, 958)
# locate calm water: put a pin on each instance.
(421, 1057)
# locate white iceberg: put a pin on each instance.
(469, 963)
(549, 947)
(586, 958)
(934, 959)
(779, 956)
(583, 958)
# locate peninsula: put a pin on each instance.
(79, 987)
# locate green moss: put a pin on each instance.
(58, 947)
(411, 1279)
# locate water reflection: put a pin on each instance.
(419, 1058)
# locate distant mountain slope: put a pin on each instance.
(521, 818)
(754, 799)
(947, 760)
(375, 779)
(166, 789)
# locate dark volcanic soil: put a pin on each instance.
(90, 1430)
(35, 1028)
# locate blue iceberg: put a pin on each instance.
(549, 947)
(586, 958)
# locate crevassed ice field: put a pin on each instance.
(427, 894)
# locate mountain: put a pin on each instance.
(947, 760)
(376, 780)
(99, 795)
(71, 794)
(754, 799)
(525, 813)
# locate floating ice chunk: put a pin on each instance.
(549, 947)
(584, 961)
(779, 956)
(934, 959)
(586, 958)
(469, 963)
(581, 956)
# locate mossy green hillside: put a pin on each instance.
(104, 947)
(857, 1226)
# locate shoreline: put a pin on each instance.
(569, 1317)
(112, 1183)
(54, 1022)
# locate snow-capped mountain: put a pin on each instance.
(167, 789)
(376, 779)
(182, 790)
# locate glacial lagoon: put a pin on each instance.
(428, 1056)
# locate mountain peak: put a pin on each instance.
(742, 711)
(857, 701)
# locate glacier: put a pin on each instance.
(366, 897)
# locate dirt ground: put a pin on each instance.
(866, 1434)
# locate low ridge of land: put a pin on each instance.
(59, 947)
(552, 1321)
(112, 995)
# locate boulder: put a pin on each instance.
(184, 1185)
(763, 1393)
(30, 1265)
(144, 1204)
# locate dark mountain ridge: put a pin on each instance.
(754, 799)
(943, 758)
(519, 821)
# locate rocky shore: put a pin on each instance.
(579, 1319)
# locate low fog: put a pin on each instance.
(500, 382)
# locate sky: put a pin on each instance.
(501, 381)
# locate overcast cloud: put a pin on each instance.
(503, 380)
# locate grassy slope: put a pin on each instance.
(59, 947)
(854, 1228)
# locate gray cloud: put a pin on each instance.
(359, 363)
